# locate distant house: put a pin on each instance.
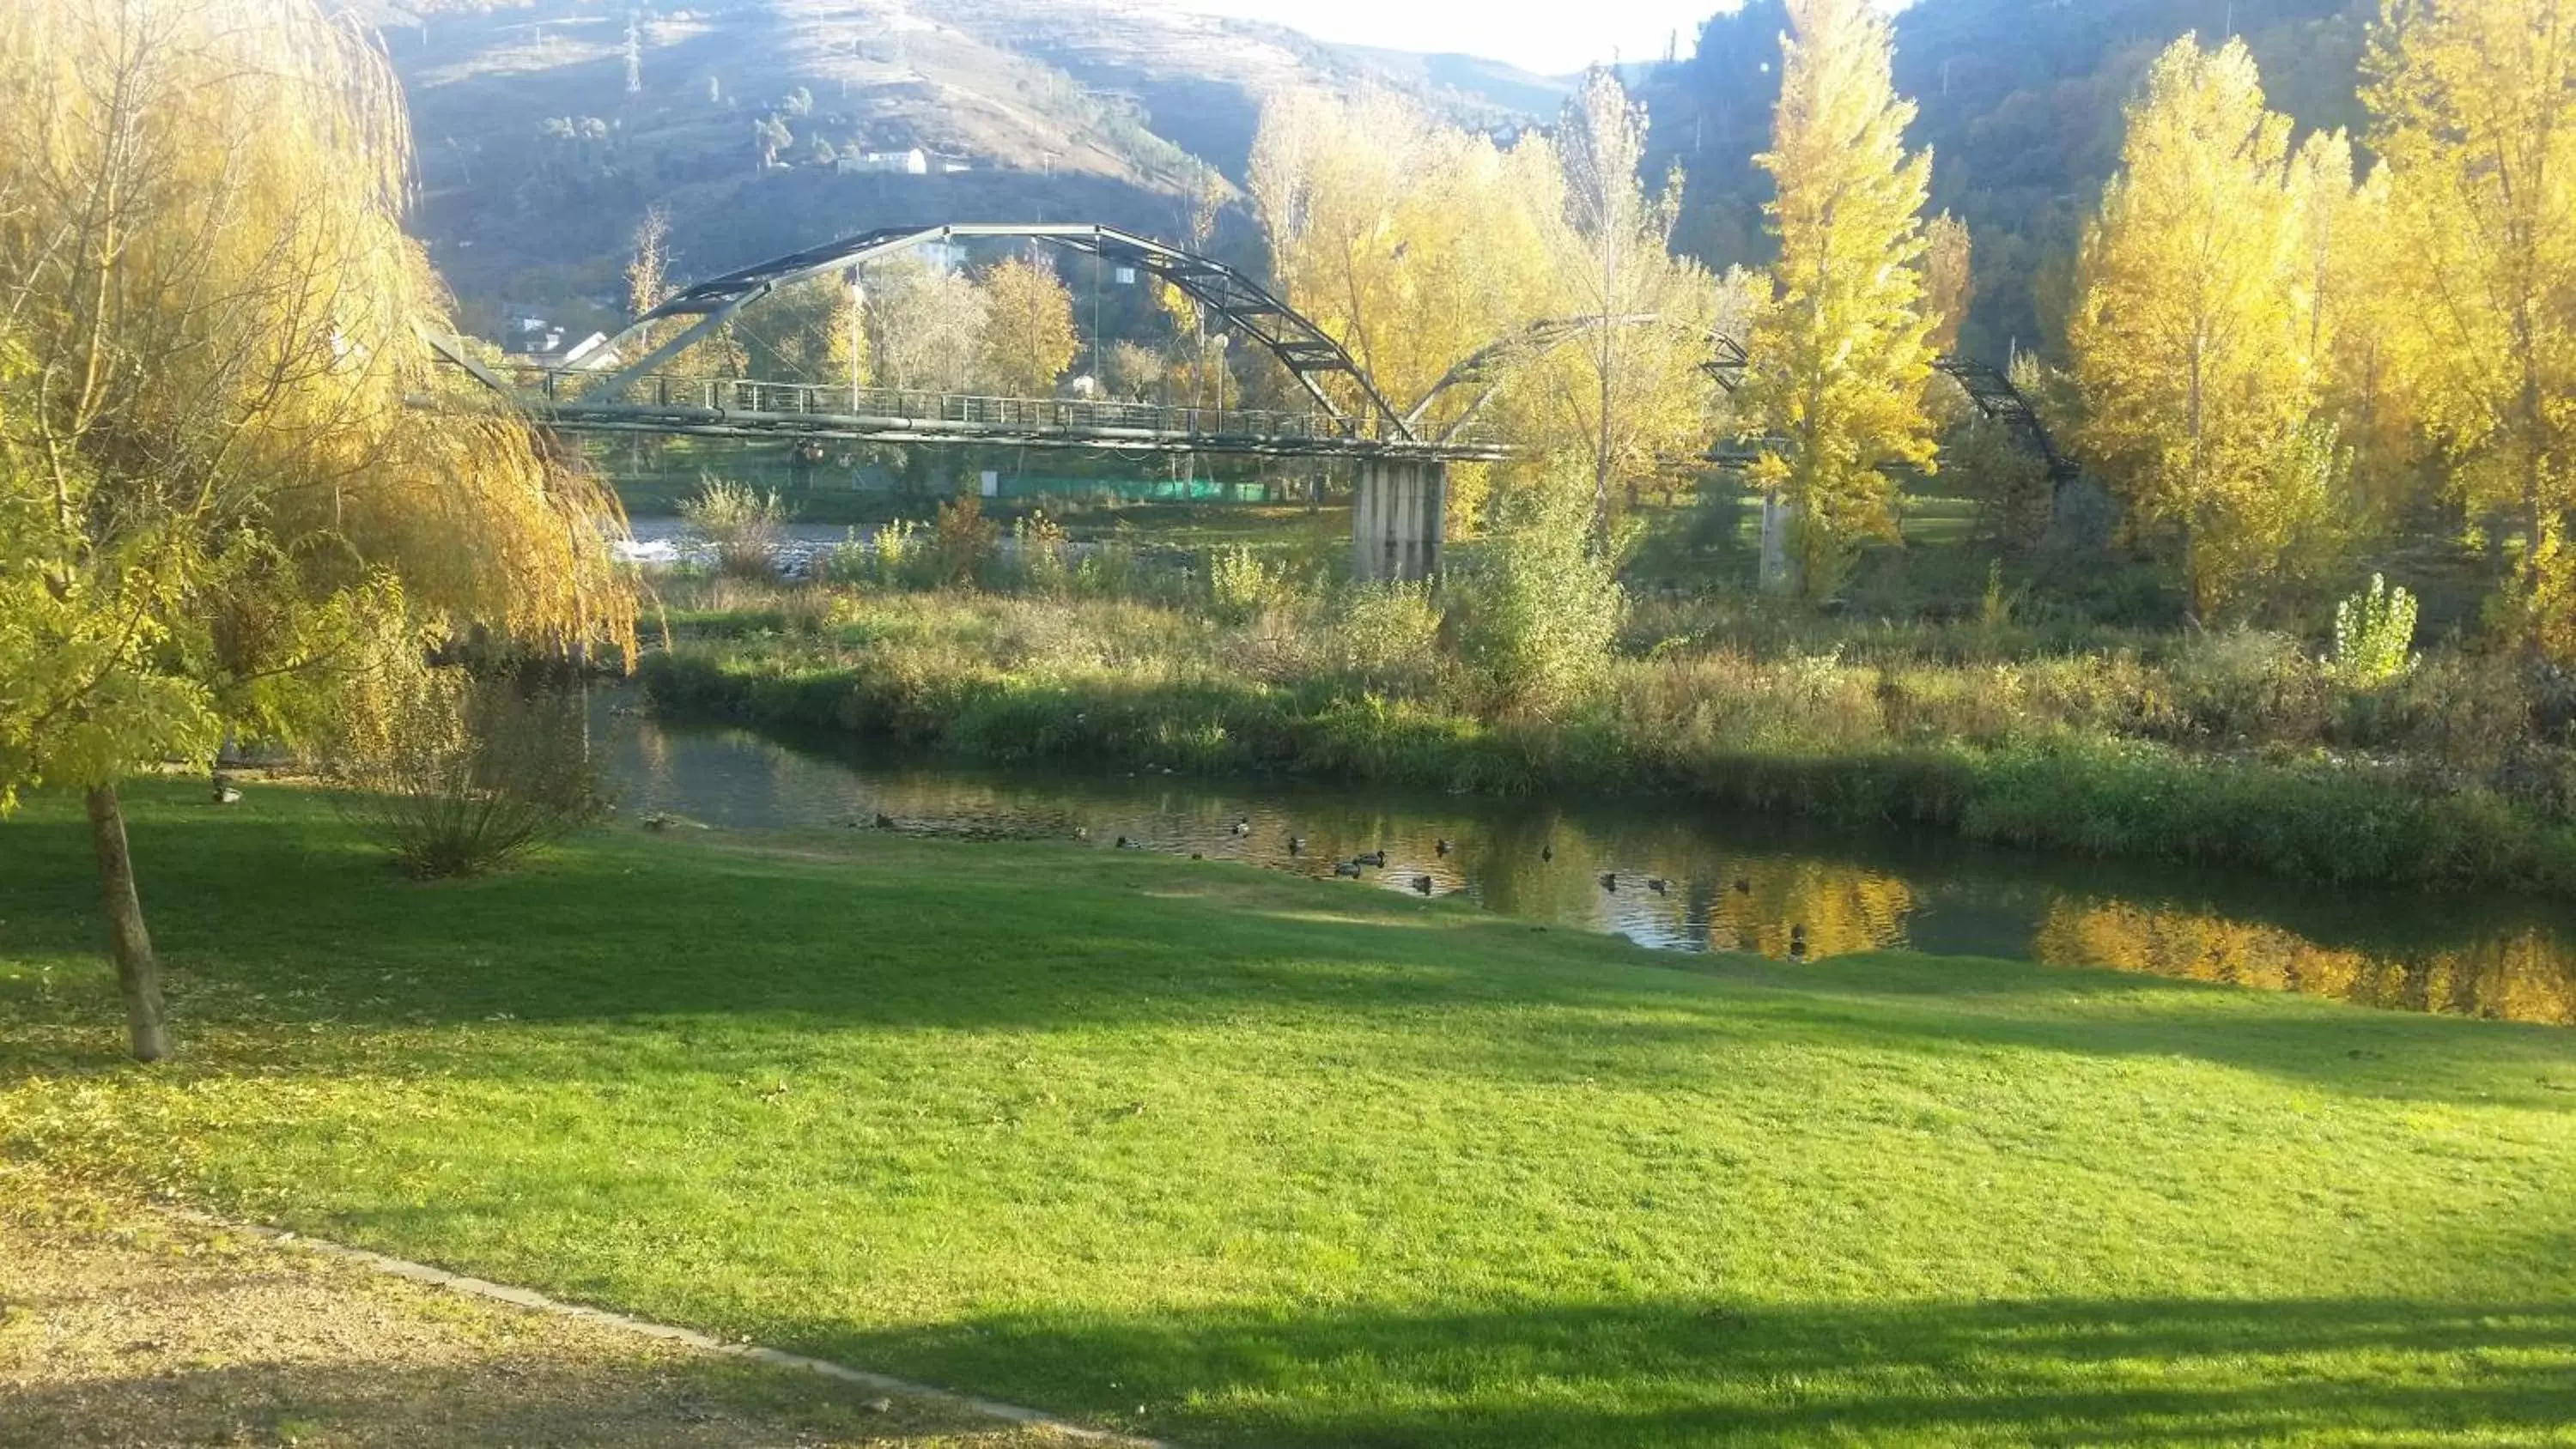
(914, 162)
(590, 354)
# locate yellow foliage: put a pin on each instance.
(1028, 328)
(1841, 352)
(2476, 107)
(1416, 245)
(211, 477)
(2196, 332)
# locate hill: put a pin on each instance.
(2021, 104)
(545, 129)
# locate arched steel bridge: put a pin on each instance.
(638, 397)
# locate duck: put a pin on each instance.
(1375, 857)
(1610, 880)
(1296, 845)
(1547, 852)
(1349, 868)
(226, 792)
(1195, 855)
(1798, 942)
(1442, 846)
(884, 821)
(1422, 883)
(1658, 885)
(1082, 832)
(1743, 887)
(1243, 825)
(1123, 843)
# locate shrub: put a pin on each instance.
(741, 524)
(2373, 632)
(850, 560)
(2250, 686)
(456, 776)
(961, 540)
(1386, 636)
(898, 547)
(1240, 583)
(1546, 605)
(1041, 545)
(1108, 571)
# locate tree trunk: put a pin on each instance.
(138, 974)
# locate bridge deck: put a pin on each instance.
(577, 401)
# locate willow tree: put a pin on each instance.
(2476, 117)
(214, 501)
(1841, 353)
(2191, 331)
(1029, 337)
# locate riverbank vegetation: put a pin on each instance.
(1238, 1159)
(2244, 748)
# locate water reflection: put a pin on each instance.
(1677, 876)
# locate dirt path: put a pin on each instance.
(124, 1326)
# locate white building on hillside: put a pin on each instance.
(914, 162)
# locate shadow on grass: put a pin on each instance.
(520, 1397)
(273, 913)
(2143, 1372)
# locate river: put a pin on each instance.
(1674, 875)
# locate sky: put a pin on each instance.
(1548, 36)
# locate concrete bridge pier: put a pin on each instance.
(1397, 512)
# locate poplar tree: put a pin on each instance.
(1631, 395)
(2192, 333)
(2475, 103)
(216, 498)
(1842, 351)
(1949, 281)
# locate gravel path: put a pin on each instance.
(121, 1325)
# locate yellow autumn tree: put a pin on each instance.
(216, 499)
(1841, 352)
(1410, 243)
(2475, 106)
(2192, 328)
(1949, 280)
(1028, 328)
(1629, 396)
(2359, 339)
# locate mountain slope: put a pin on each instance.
(749, 119)
(2021, 102)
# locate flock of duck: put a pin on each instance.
(1356, 867)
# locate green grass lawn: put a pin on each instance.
(1240, 1159)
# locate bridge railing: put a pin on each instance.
(749, 398)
